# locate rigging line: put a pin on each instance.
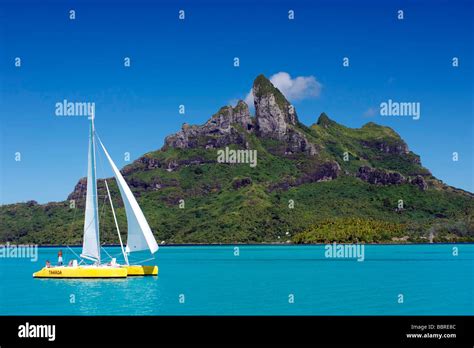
(118, 254)
(101, 213)
(111, 256)
(111, 205)
(151, 258)
(73, 252)
(99, 154)
(106, 252)
(101, 168)
(116, 223)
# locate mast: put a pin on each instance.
(91, 243)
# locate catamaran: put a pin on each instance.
(139, 236)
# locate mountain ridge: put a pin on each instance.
(362, 174)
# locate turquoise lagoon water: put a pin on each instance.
(258, 282)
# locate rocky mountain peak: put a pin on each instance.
(228, 115)
(275, 118)
(273, 113)
(218, 131)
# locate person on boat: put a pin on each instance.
(70, 263)
(48, 264)
(60, 258)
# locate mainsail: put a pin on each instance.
(91, 243)
(140, 236)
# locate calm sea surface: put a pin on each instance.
(262, 280)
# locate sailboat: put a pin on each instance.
(139, 238)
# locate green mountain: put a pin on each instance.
(312, 184)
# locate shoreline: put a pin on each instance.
(233, 244)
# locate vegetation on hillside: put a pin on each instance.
(235, 203)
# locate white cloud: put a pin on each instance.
(249, 99)
(298, 88)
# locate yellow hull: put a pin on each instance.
(137, 270)
(81, 272)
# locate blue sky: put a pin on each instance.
(190, 62)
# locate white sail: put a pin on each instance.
(91, 243)
(140, 236)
